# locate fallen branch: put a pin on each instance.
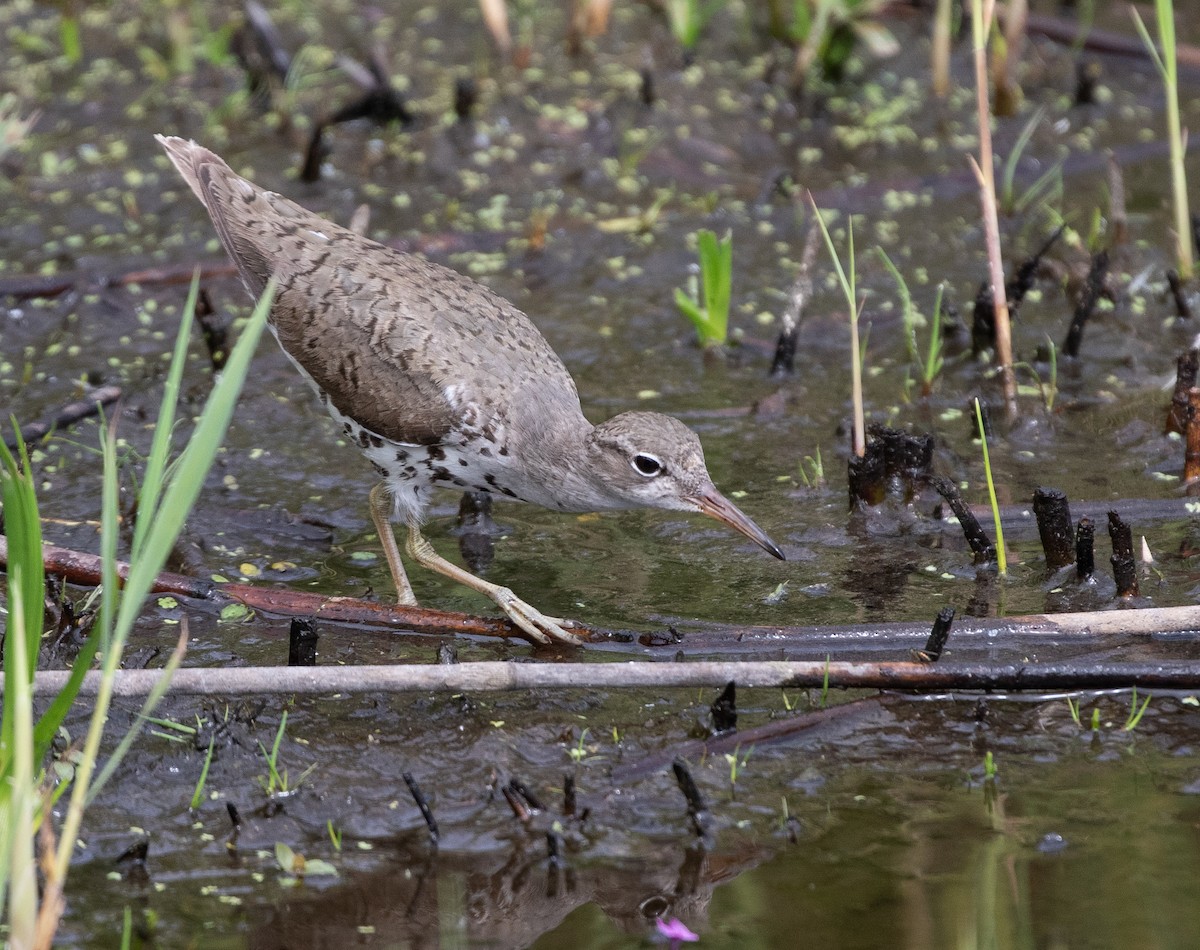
(1083, 627)
(493, 676)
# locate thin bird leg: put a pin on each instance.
(381, 508)
(536, 625)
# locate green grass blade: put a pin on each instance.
(20, 871)
(160, 450)
(178, 498)
(52, 718)
(1001, 557)
(907, 310)
(183, 490)
(1151, 46)
(152, 699)
(23, 529)
(690, 310)
(1009, 174)
(198, 792)
(26, 593)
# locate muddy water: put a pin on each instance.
(895, 836)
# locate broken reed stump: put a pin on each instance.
(1085, 549)
(1123, 564)
(1053, 515)
(1186, 366)
(1183, 309)
(937, 637)
(866, 478)
(696, 808)
(724, 710)
(302, 642)
(1191, 441)
(1093, 288)
(895, 461)
(979, 542)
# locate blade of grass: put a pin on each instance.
(24, 532)
(160, 449)
(908, 313)
(17, 837)
(178, 499)
(851, 292)
(1001, 558)
(1168, 69)
(151, 701)
(198, 794)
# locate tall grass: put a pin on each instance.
(1168, 70)
(849, 287)
(167, 494)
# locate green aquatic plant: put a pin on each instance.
(707, 306)
(1168, 70)
(165, 497)
(827, 32)
(688, 18)
(1135, 711)
(850, 289)
(277, 783)
(1001, 558)
(812, 470)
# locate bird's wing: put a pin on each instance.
(403, 346)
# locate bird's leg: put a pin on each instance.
(536, 625)
(381, 507)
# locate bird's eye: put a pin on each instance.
(647, 465)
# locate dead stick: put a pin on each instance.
(80, 568)
(69, 414)
(76, 567)
(494, 676)
(31, 286)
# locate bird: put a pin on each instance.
(441, 382)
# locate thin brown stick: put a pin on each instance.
(69, 414)
(985, 173)
(29, 286)
(493, 676)
(1066, 30)
(82, 568)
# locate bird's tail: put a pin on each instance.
(230, 201)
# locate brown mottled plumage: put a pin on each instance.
(441, 382)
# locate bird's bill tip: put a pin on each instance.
(716, 505)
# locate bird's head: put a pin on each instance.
(646, 459)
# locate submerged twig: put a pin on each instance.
(1093, 288)
(69, 414)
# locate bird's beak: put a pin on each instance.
(712, 503)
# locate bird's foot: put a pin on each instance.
(533, 623)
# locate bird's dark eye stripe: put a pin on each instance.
(646, 464)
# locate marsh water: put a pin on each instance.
(569, 193)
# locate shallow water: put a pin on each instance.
(899, 839)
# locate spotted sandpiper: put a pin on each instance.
(442, 383)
